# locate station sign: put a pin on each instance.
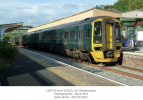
(127, 23)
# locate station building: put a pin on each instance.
(4, 28)
(20, 30)
(77, 17)
(131, 21)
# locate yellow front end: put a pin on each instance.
(99, 55)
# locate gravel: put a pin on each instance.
(108, 74)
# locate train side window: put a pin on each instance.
(79, 34)
(72, 35)
(46, 35)
(66, 35)
(56, 36)
(61, 35)
(51, 35)
(43, 36)
(40, 36)
(87, 33)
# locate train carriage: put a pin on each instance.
(94, 39)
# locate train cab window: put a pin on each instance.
(66, 35)
(97, 33)
(72, 35)
(118, 33)
(87, 33)
(61, 35)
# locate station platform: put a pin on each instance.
(37, 70)
(132, 49)
(132, 57)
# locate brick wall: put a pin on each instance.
(131, 59)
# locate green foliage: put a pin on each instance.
(122, 5)
(8, 36)
(108, 6)
(99, 7)
(103, 7)
(135, 4)
(8, 52)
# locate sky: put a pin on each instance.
(37, 12)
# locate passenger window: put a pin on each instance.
(61, 36)
(50, 36)
(46, 35)
(72, 35)
(56, 36)
(87, 33)
(40, 36)
(66, 35)
(79, 34)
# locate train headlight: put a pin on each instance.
(97, 41)
(118, 41)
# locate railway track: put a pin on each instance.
(103, 67)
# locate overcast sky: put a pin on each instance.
(38, 12)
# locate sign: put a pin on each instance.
(124, 33)
(138, 28)
(127, 23)
(139, 36)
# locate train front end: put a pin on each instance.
(106, 39)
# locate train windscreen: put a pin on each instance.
(118, 33)
(97, 32)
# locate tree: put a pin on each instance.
(99, 7)
(108, 6)
(103, 7)
(135, 4)
(8, 36)
(122, 5)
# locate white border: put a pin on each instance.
(77, 68)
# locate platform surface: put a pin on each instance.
(132, 49)
(36, 70)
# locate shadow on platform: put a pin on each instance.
(25, 74)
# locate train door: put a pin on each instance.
(80, 37)
(109, 36)
(66, 37)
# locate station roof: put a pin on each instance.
(113, 10)
(11, 26)
(130, 19)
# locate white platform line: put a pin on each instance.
(77, 68)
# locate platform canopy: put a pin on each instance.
(4, 28)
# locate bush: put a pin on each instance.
(8, 52)
(8, 36)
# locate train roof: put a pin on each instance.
(87, 20)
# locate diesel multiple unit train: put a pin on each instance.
(94, 39)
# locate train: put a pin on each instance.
(95, 39)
